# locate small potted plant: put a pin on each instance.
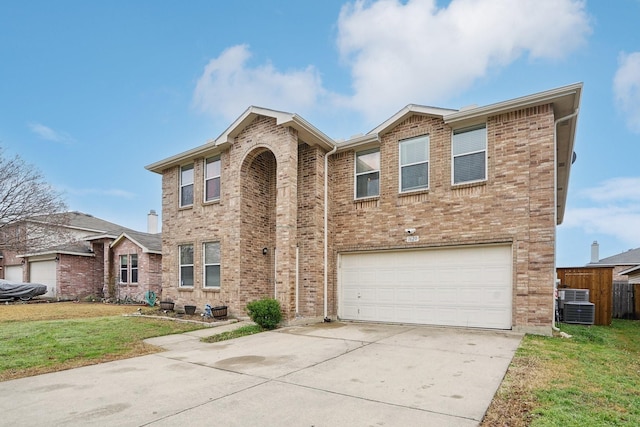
(190, 309)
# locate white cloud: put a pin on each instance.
(621, 189)
(49, 134)
(615, 210)
(626, 88)
(228, 86)
(400, 52)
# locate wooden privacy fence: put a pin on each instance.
(599, 281)
(624, 300)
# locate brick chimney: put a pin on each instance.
(152, 222)
(595, 252)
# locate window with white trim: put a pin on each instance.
(129, 268)
(367, 173)
(469, 154)
(186, 265)
(186, 185)
(211, 265)
(124, 269)
(212, 179)
(134, 267)
(414, 164)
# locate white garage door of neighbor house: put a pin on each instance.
(13, 273)
(461, 286)
(44, 272)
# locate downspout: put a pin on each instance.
(555, 202)
(297, 279)
(326, 231)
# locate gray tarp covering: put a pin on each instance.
(20, 290)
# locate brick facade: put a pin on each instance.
(272, 200)
(149, 272)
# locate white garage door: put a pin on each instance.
(44, 272)
(13, 273)
(462, 286)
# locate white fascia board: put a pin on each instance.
(630, 270)
(306, 131)
(546, 97)
(123, 236)
(38, 254)
(359, 142)
(410, 110)
(204, 150)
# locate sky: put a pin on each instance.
(93, 91)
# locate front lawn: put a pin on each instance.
(41, 338)
(591, 379)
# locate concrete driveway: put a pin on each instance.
(331, 374)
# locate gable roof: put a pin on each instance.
(306, 132)
(149, 243)
(81, 221)
(630, 257)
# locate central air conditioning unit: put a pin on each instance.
(581, 312)
(566, 295)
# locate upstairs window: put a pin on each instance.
(186, 265)
(212, 179)
(212, 265)
(368, 173)
(469, 149)
(186, 185)
(414, 164)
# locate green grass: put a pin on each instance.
(32, 347)
(236, 333)
(591, 379)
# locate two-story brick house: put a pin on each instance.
(436, 216)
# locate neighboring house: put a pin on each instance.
(93, 258)
(436, 216)
(625, 264)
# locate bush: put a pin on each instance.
(265, 312)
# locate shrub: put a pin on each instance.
(265, 312)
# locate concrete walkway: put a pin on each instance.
(332, 374)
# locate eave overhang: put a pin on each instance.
(565, 101)
(144, 248)
(306, 133)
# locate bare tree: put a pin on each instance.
(31, 210)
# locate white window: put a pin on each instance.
(129, 268)
(368, 173)
(212, 179)
(186, 185)
(134, 267)
(186, 265)
(124, 269)
(212, 265)
(469, 149)
(414, 164)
